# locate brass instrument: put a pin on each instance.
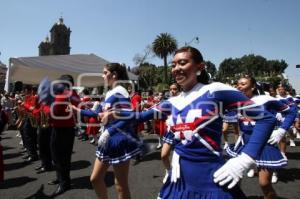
(44, 121)
(21, 118)
(33, 121)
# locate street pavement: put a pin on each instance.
(145, 178)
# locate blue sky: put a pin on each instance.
(119, 29)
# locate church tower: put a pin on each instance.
(60, 38)
(45, 47)
(59, 43)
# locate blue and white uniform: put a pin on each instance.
(195, 129)
(289, 100)
(92, 112)
(297, 103)
(123, 143)
(200, 154)
(270, 156)
(230, 117)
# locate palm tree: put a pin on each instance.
(164, 45)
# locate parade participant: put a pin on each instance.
(3, 122)
(116, 146)
(149, 102)
(136, 105)
(230, 120)
(296, 128)
(297, 122)
(174, 90)
(91, 114)
(285, 98)
(1, 163)
(7, 104)
(44, 139)
(63, 131)
(30, 124)
(159, 124)
(85, 104)
(21, 114)
(195, 129)
(270, 158)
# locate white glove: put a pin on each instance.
(279, 117)
(232, 171)
(175, 174)
(103, 139)
(166, 175)
(276, 136)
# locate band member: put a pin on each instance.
(44, 139)
(30, 124)
(63, 131)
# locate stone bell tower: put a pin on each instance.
(59, 43)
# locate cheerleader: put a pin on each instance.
(194, 132)
(285, 98)
(116, 145)
(297, 101)
(159, 124)
(91, 114)
(270, 158)
(289, 100)
(174, 90)
(230, 119)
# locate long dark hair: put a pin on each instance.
(118, 69)
(198, 58)
(257, 86)
(68, 78)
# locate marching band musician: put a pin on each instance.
(30, 124)
(44, 139)
(63, 132)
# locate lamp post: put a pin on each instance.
(196, 39)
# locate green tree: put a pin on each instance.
(229, 69)
(164, 44)
(276, 67)
(255, 65)
(148, 77)
(211, 68)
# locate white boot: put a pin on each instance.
(225, 145)
(284, 156)
(250, 173)
(92, 141)
(298, 135)
(274, 179)
(158, 146)
(159, 143)
(292, 143)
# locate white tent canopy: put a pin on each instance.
(85, 69)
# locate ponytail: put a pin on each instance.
(203, 78)
(119, 70)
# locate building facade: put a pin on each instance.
(3, 70)
(59, 43)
